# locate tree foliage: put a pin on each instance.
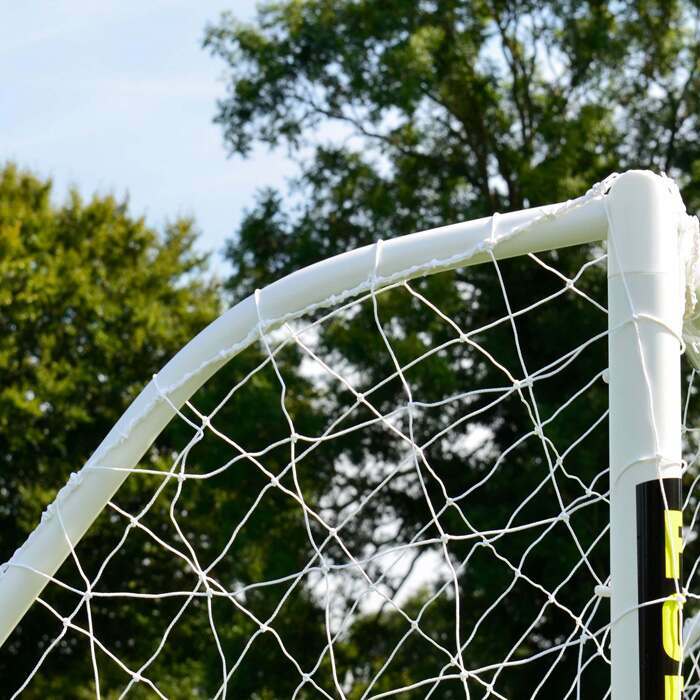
(407, 115)
(403, 114)
(464, 108)
(92, 302)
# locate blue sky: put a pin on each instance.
(118, 96)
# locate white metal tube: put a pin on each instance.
(645, 301)
(81, 501)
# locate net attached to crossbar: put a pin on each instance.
(401, 494)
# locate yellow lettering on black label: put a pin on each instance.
(671, 629)
(671, 610)
(674, 543)
(673, 687)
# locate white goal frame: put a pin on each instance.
(636, 212)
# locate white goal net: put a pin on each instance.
(401, 493)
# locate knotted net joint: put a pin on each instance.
(602, 591)
(520, 384)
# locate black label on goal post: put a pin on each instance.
(659, 547)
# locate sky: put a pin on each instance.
(118, 96)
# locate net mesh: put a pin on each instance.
(403, 496)
(691, 505)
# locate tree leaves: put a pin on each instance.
(92, 303)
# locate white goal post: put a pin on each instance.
(650, 247)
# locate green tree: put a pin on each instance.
(449, 110)
(92, 302)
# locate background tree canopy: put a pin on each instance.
(92, 302)
(430, 112)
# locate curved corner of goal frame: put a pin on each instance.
(577, 221)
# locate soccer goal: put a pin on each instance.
(459, 463)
